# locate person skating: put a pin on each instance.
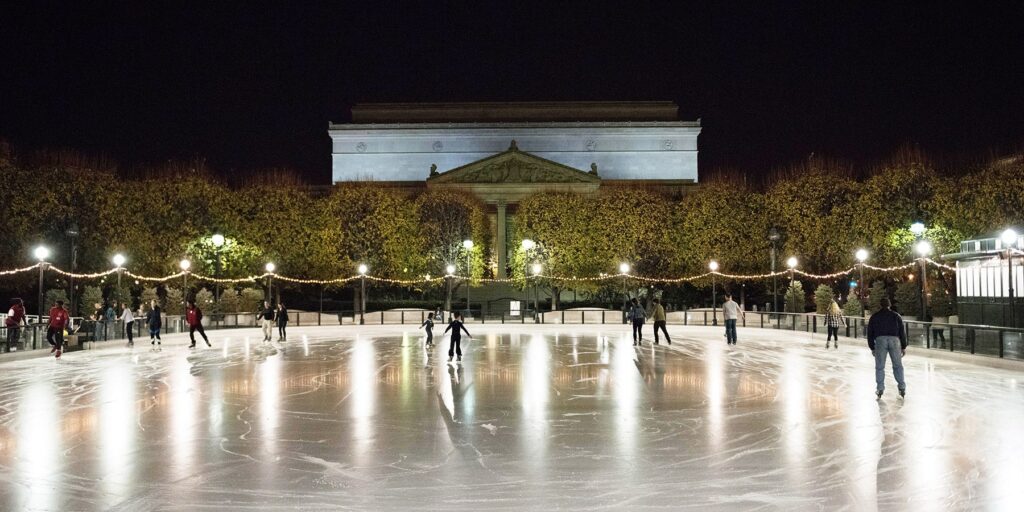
(282, 322)
(154, 322)
(659, 318)
(731, 311)
(637, 315)
(55, 330)
(886, 336)
(834, 319)
(456, 327)
(16, 318)
(428, 325)
(194, 317)
(129, 321)
(266, 317)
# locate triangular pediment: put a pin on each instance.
(514, 166)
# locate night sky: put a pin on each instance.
(253, 86)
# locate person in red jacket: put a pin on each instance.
(194, 316)
(55, 331)
(15, 319)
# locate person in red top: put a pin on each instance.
(15, 319)
(194, 316)
(55, 332)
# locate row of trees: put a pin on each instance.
(823, 212)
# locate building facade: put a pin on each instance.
(503, 152)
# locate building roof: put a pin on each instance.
(502, 112)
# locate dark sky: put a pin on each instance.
(254, 85)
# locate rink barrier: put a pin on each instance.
(985, 340)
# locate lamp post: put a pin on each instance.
(774, 236)
(791, 263)
(468, 245)
(862, 256)
(450, 269)
(923, 248)
(119, 260)
(218, 242)
(72, 232)
(714, 303)
(362, 292)
(1010, 240)
(624, 270)
(185, 265)
(270, 267)
(41, 253)
(536, 291)
(527, 246)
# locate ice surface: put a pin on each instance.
(535, 418)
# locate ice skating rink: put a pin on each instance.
(535, 418)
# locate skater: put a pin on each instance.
(55, 331)
(658, 315)
(108, 321)
(154, 322)
(731, 311)
(194, 316)
(637, 315)
(833, 319)
(439, 314)
(887, 337)
(15, 319)
(456, 340)
(267, 321)
(282, 322)
(129, 321)
(428, 324)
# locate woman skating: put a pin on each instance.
(833, 319)
(282, 322)
(154, 322)
(129, 322)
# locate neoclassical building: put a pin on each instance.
(502, 152)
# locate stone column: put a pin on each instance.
(502, 237)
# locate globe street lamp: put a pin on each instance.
(41, 253)
(624, 270)
(1010, 240)
(862, 256)
(72, 232)
(119, 260)
(270, 267)
(450, 271)
(527, 246)
(714, 305)
(362, 293)
(923, 248)
(185, 265)
(218, 242)
(791, 263)
(918, 229)
(774, 236)
(468, 245)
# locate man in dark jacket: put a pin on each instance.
(194, 317)
(886, 336)
(15, 319)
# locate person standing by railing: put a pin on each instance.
(55, 331)
(282, 322)
(15, 320)
(833, 319)
(636, 315)
(154, 322)
(886, 336)
(129, 321)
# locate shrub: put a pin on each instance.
(875, 295)
(822, 298)
(55, 294)
(250, 300)
(91, 295)
(796, 301)
(173, 303)
(908, 299)
(941, 302)
(853, 306)
(230, 301)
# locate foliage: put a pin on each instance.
(91, 296)
(908, 298)
(796, 299)
(940, 301)
(204, 299)
(174, 301)
(853, 306)
(249, 300)
(55, 294)
(446, 219)
(823, 298)
(230, 302)
(875, 295)
(149, 296)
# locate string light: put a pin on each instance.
(428, 279)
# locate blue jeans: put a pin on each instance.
(888, 346)
(730, 330)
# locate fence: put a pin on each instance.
(1003, 342)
